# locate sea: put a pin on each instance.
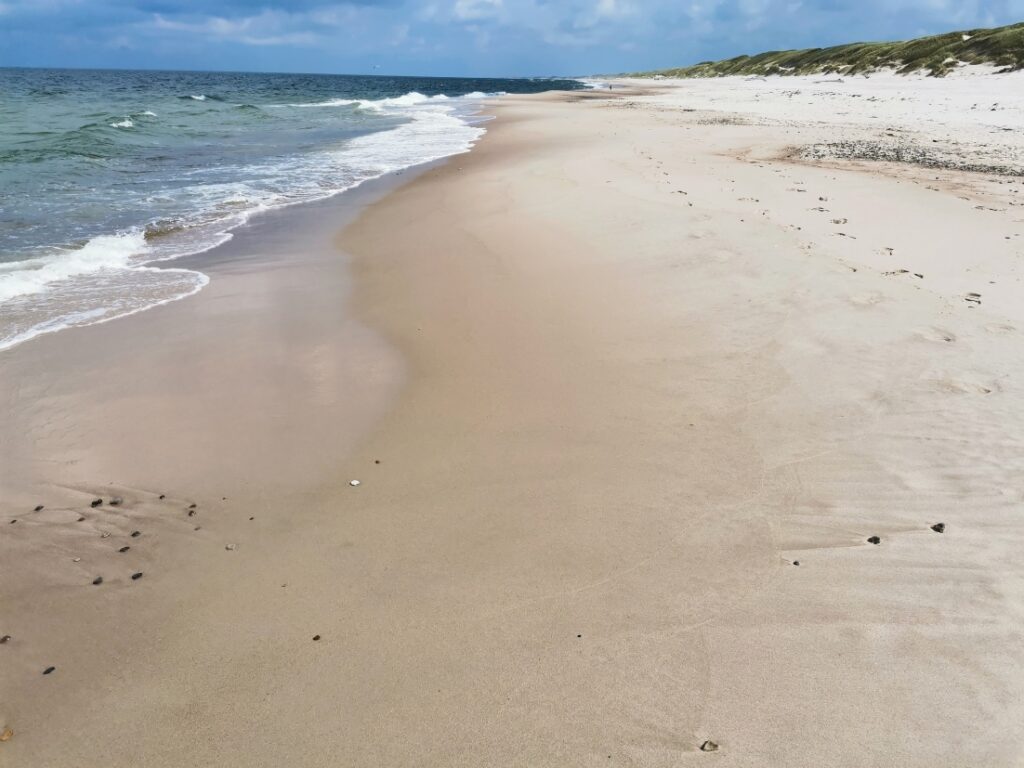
(107, 177)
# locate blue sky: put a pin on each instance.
(455, 37)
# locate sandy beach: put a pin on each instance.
(686, 419)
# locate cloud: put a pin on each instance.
(457, 36)
(473, 10)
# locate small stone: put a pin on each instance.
(76, 559)
(136, 576)
(353, 483)
(6, 735)
(229, 547)
(191, 506)
(939, 527)
(136, 534)
(252, 518)
(124, 549)
(874, 540)
(39, 508)
(98, 580)
(48, 670)
(376, 461)
(14, 521)
(4, 639)
(796, 562)
(81, 519)
(116, 501)
(96, 502)
(316, 637)
(162, 497)
(709, 746)
(191, 513)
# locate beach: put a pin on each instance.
(676, 423)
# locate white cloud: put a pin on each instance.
(266, 28)
(470, 10)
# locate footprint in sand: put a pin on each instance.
(964, 387)
(935, 334)
(866, 299)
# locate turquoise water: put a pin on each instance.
(107, 176)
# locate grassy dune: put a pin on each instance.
(937, 55)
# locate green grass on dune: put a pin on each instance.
(936, 55)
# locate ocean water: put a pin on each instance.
(107, 176)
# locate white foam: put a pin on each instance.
(19, 278)
(126, 123)
(199, 97)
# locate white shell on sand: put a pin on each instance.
(353, 483)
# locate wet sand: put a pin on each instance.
(603, 382)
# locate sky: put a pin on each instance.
(479, 38)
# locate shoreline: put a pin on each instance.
(641, 379)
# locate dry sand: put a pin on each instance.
(622, 367)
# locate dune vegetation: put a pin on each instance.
(937, 55)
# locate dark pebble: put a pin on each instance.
(252, 518)
(316, 637)
(81, 519)
(125, 548)
(376, 461)
(39, 508)
(136, 534)
(14, 521)
(162, 497)
(191, 513)
(96, 502)
(939, 527)
(136, 576)
(48, 670)
(796, 562)
(709, 746)
(98, 580)
(116, 501)
(579, 635)
(874, 540)
(4, 639)
(191, 506)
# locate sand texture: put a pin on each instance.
(627, 391)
